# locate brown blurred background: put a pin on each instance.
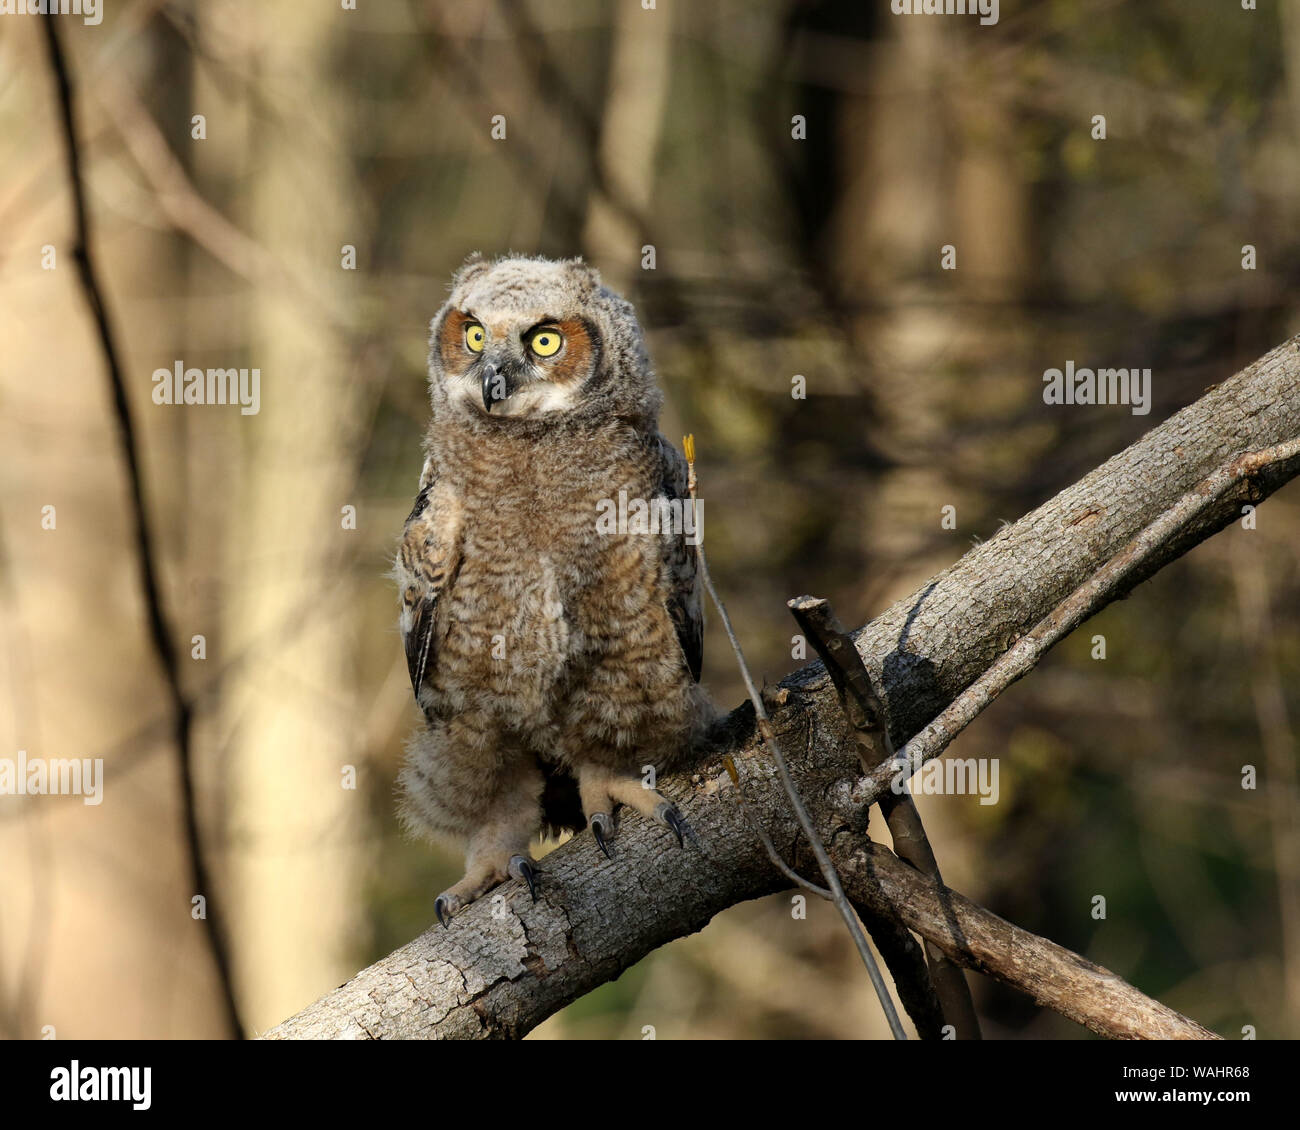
(627, 128)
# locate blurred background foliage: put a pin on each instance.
(629, 129)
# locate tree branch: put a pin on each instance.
(866, 716)
(974, 937)
(502, 968)
(1089, 598)
(151, 593)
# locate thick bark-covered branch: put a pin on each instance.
(506, 963)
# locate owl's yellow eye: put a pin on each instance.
(546, 343)
(475, 337)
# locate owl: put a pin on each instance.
(549, 601)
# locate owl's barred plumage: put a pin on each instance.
(553, 658)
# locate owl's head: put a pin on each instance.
(528, 338)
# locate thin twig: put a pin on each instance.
(796, 802)
(159, 632)
(187, 211)
(869, 721)
(1093, 595)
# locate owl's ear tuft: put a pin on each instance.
(475, 264)
(586, 278)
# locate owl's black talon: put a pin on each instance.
(440, 908)
(522, 868)
(599, 826)
(668, 815)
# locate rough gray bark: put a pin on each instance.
(506, 963)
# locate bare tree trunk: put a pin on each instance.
(629, 138)
(295, 843)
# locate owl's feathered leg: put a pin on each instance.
(602, 791)
(483, 871)
(457, 786)
(497, 851)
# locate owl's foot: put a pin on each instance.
(521, 867)
(602, 826)
(481, 877)
(602, 792)
(667, 815)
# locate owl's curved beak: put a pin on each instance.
(498, 384)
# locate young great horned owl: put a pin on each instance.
(553, 658)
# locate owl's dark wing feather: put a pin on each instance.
(425, 562)
(685, 598)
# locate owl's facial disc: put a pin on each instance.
(514, 367)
